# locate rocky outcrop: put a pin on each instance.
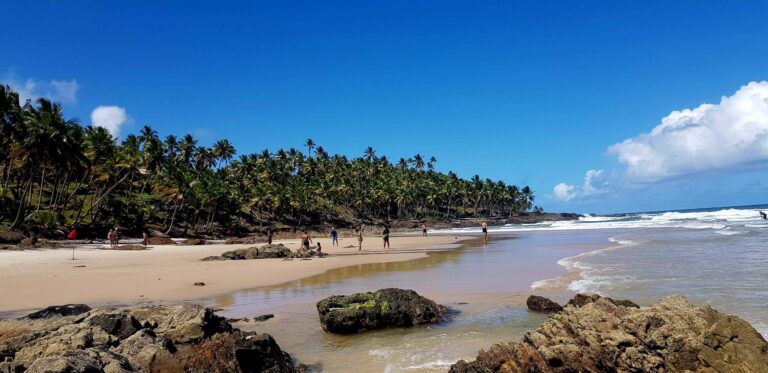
(264, 252)
(65, 310)
(385, 308)
(158, 240)
(540, 304)
(11, 237)
(580, 300)
(145, 339)
(601, 336)
(193, 242)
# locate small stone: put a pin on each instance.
(199, 283)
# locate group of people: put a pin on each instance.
(114, 237)
(306, 239)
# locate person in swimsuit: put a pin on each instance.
(306, 240)
(424, 230)
(334, 237)
(385, 235)
(485, 231)
(359, 240)
(763, 215)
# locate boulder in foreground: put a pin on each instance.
(385, 308)
(144, 339)
(540, 304)
(670, 336)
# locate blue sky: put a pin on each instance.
(529, 92)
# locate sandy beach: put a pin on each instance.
(39, 278)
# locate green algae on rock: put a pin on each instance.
(385, 308)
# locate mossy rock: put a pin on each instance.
(385, 308)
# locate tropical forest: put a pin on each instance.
(57, 174)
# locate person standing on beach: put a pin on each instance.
(334, 237)
(485, 231)
(111, 238)
(359, 240)
(145, 238)
(385, 235)
(269, 236)
(424, 230)
(117, 238)
(306, 240)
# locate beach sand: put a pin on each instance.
(166, 274)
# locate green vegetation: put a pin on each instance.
(56, 172)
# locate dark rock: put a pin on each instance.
(54, 311)
(80, 361)
(541, 304)
(157, 233)
(260, 353)
(386, 308)
(601, 336)
(160, 241)
(199, 283)
(580, 300)
(263, 317)
(10, 247)
(193, 242)
(117, 324)
(11, 237)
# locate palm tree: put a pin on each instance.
(310, 144)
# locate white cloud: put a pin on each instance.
(64, 91)
(731, 135)
(109, 117)
(592, 186)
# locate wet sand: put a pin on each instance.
(166, 274)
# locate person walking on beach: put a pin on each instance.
(359, 240)
(424, 230)
(385, 235)
(111, 238)
(485, 231)
(145, 238)
(269, 236)
(117, 238)
(306, 240)
(334, 237)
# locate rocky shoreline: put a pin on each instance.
(588, 334)
(189, 338)
(594, 334)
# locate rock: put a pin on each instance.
(127, 248)
(193, 242)
(118, 324)
(579, 300)
(157, 233)
(160, 241)
(28, 242)
(260, 353)
(145, 339)
(266, 251)
(212, 258)
(11, 237)
(10, 247)
(541, 304)
(199, 283)
(601, 336)
(263, 317)
(54, 311)
(386, 308)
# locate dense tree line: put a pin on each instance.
(56, 172)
